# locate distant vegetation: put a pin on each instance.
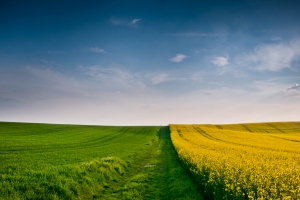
(241, 161)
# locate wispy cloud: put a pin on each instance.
(220, 61)
(110, 73)
(284, 97)
(115, 21)
(123, 22)
(273, 57)
(97, 50)
(196, 34)
(172, 77)
(296, 86)
(114, 78)
(276, 38)
(178, 58)
(134, 22)
(159, 78)
(37, 83)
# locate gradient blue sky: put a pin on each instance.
(149, 62)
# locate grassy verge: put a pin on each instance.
(170, 179)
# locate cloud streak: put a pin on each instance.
(115, 21)
(220, 61)
(121, 22)
(274, 57)
(296, 86)
(159, 78)
(114, 78)
(178, 58)
(97, 50)
(134, 22)
(196, 34)
(103, 73)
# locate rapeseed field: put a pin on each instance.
(241, 161)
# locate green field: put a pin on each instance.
(47, 161)
(40, 146)
(236, 161)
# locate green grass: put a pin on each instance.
(170, 179)
(46, 161)
(44, 145)
(49, 161)
(157, 175)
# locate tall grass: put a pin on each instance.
(63, 182)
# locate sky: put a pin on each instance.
(119, 62)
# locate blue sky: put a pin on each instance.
(149, 62)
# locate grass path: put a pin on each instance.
(155, 175)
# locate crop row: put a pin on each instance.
(243, 161)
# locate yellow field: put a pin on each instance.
(242, 161)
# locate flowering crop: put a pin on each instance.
(242, 161)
